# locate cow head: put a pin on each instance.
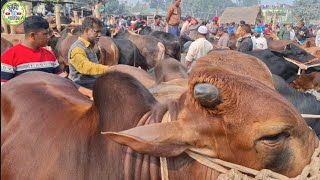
(232, 117)
(294, 52)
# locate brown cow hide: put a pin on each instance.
(307, 82)
(279, 45)
(5, 45)
(150, 47)
(109, 51)
(169, 69)
(19, 29)
(13, 38)
(141, 75)
(251, 125)
(315, 51)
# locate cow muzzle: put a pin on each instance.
(207, 95)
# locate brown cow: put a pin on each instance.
(279, 45)
(307, 82)
(171, 80)
(5, 44)
(19, 29)
(109, 52)
(150, 47)
(169, 69)
(141, 75)
(13, 38)
(228, 114)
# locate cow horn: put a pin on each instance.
(207, 94)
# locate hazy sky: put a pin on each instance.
(274, 2)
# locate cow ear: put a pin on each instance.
(162, 139)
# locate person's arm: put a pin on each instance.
(196, 26)
(83, 65)
(307, 34)
(191, 55)
(224, 42)
(7, 69)
(169, 13)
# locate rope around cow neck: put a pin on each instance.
(303, 66)
(231, 171)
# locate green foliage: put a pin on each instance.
(115, 7)
(306, 10)
(138, 7)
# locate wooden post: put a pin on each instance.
(97, 11)
(80, 21)
(5, 26)
(76, 17)
(64, 9)
(12, 30)
(57, 13)
(28, 10)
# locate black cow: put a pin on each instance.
(171, 42)
(142, 29)
(281, 67)
(305, 103)
(130, 54)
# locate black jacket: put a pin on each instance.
(246, 44)
(304, 31)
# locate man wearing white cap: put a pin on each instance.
(199, 48)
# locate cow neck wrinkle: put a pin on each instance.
(140, 165)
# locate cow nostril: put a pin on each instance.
(207, 94)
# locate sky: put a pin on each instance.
(274, 2)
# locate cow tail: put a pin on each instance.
(162, 51)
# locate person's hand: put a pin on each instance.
(85, 91)
(301, 33)
(56, 34)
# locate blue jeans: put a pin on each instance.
(174, 30)
(186, 46)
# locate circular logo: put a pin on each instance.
(13, 13)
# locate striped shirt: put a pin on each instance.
(20, 59)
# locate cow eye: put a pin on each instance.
(273, 139)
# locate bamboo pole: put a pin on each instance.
(57, 13)
(97, 11)
(28, 10)
(12, 31)
(76, 17)
(5, 26)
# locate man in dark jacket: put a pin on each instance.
(244, 43)
(302, 32)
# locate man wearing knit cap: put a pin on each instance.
(199, 48)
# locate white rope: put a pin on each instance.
(301, 65)
(310, 116)
(163, 160)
